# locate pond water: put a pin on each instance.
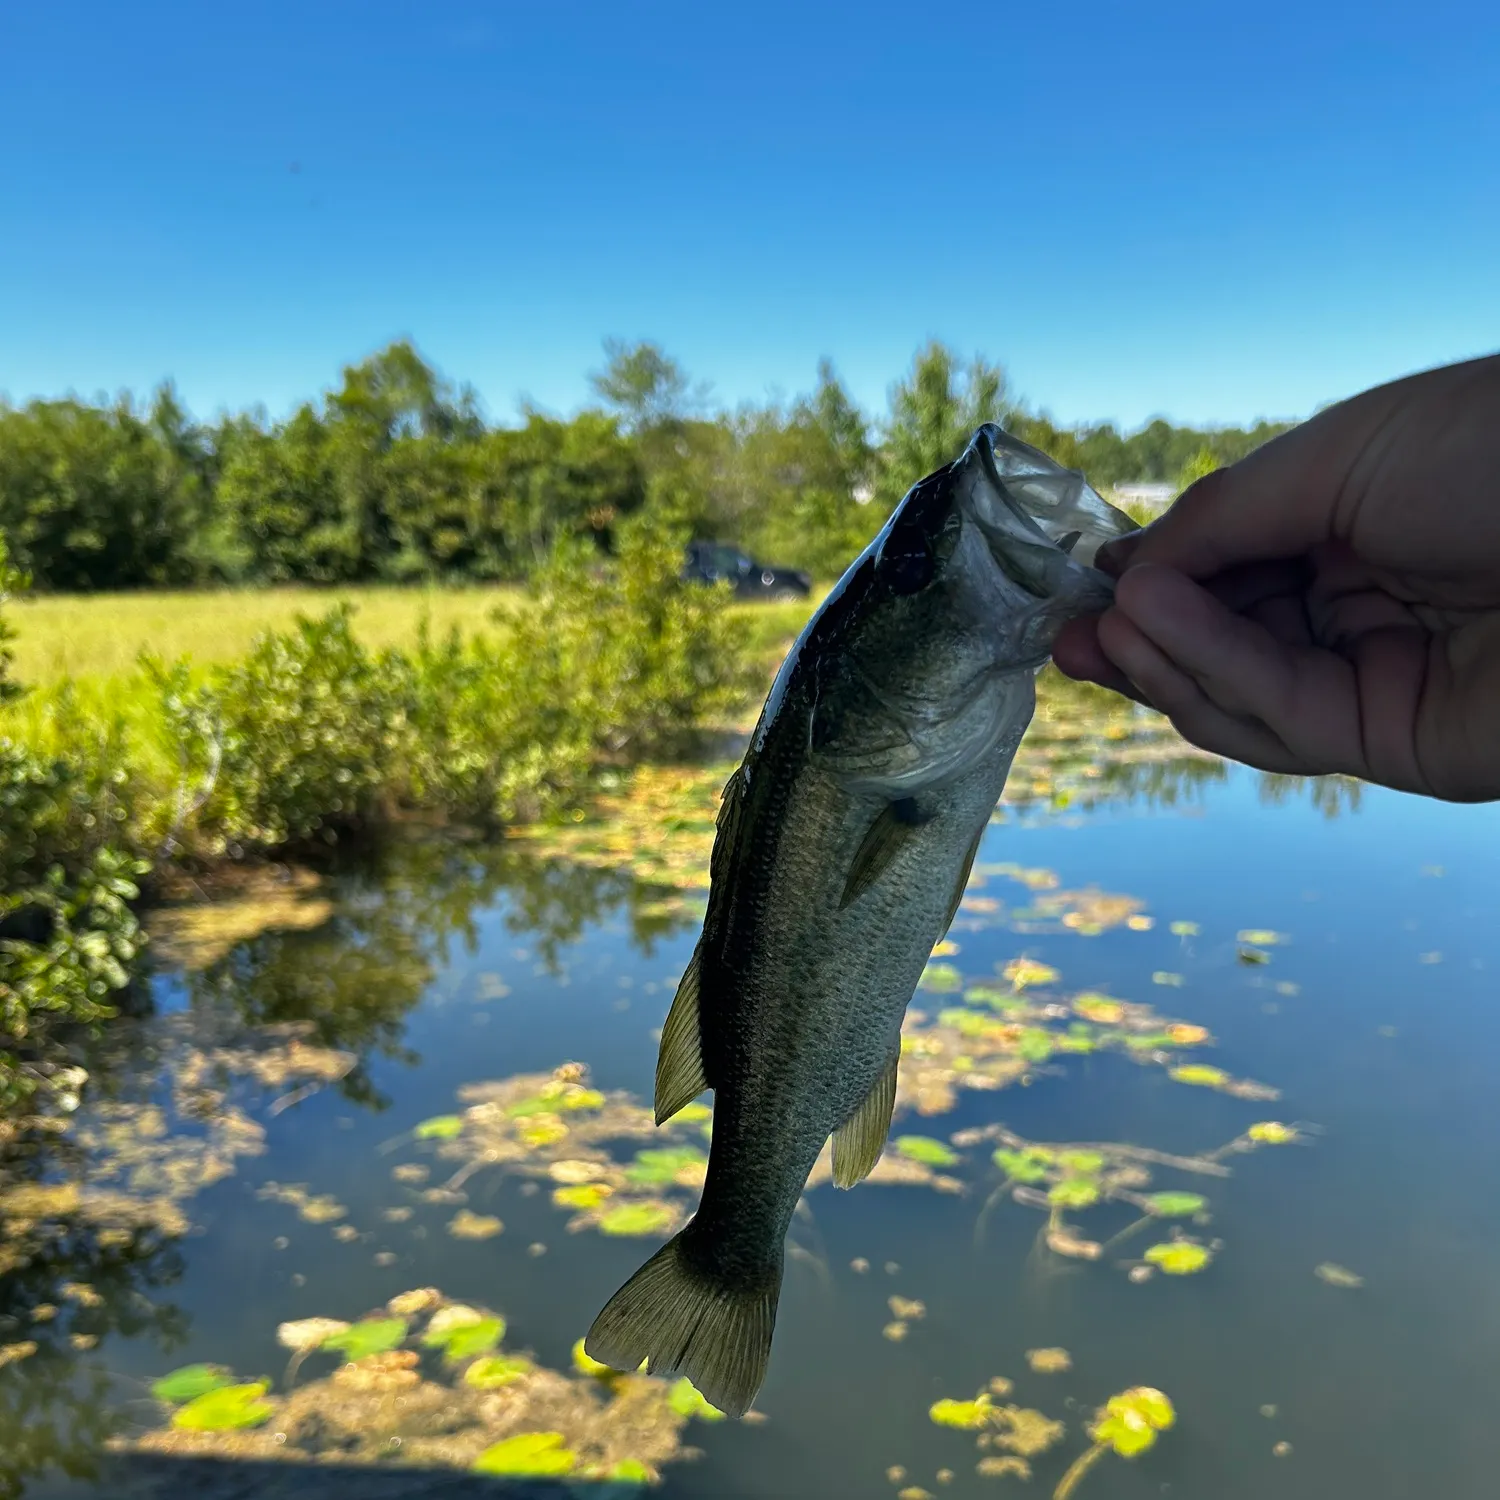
(224, 1179)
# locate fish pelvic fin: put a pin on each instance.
(682, 1316)
(680, 1077)
(887, 836)
(858, 1142)
(963, 879)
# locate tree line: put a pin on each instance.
(395, 475)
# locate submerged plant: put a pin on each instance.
(1126, 1425)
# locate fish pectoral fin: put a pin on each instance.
(858, 1142)
(963, 879)
(888, 835)
(679, 1064)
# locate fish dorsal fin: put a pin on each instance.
(858, 1142)
(679, 1064)
(888, 835)
(963, 879)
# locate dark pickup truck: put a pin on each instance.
(711, 562)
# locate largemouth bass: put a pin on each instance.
(844, 843)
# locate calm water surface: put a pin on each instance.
(1382, 1036)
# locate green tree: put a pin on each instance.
(934, 412)
(646, 386)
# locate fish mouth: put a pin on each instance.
(1043, 523)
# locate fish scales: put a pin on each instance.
(844, 842)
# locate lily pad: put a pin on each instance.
(1272, 1133)
(1260, 937)
(1185, 929)
(637, 1218)
(1081, 1163)
(1130, 1421)
(373, 1336)
(1074, 1192)
(496, 1370)
(230, 1408)
(1027, 1165)
(307, 1334)
(1179, 1257)
(688, 1401)
(1175, 1205)
(926, 1150)
(1025, 972)
(943, 979)
(530, 1455)
(963, 1414)
(1200, 1075)
(583, 1195)
(693, 1114)
(656, 1168)
(439, 1128)
(467, 1225)
(1099, 1008)
(190, 1382)
(467, 1340)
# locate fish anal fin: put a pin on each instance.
(680, 1315)
(680, 1077)
(887, 836)
(963, 879)
(858, 1142)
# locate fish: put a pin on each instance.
(843, 845)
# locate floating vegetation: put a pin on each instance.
(439, 1128)
(927, 1151)
(1260, 937)
(226, 1408)
(1177, 1205)
(968, 1415)
(190, 1382)
(639, 1219)
(1126, 1425)
(1272, 1133)
(465, 1225)
(480, 1409)
(1337, 1275)
(247, 901)
(1049, 1361)
(1179, 1257)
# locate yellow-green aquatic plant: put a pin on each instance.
(1126, 1425)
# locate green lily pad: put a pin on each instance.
(534, 1106)
(943, 979)
(1272, 1133)
(1035, 1045)
(1179, 1257)
(962, 1414)
(190, 1382)
(688, 1401)
(581, 1195)
(1175, 1205)
(1074, 1192)
(230, 1408)
(582, 1099)
(1081, 1163)
(1130, 1421)
(656, 1168)
(690, 1114)
(467, 1340)
(1027, 1165)
(1102, 1009)
(1260, 937)
(927, 1151)
(373, 1336)
(637, 1218)
(630, 1471)
(496, 1370)
(439, 1128)
(1200, 1075)
(1184, 929)
(530, 1455)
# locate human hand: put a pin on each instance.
(1331, 603)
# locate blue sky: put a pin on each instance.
(1205, 210)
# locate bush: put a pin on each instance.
(68, 934)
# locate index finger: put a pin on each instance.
(1298, 490)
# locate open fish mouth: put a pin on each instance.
(1044, 523)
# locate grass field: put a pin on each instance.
(96, 638)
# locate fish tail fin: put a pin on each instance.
(683, 1315)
